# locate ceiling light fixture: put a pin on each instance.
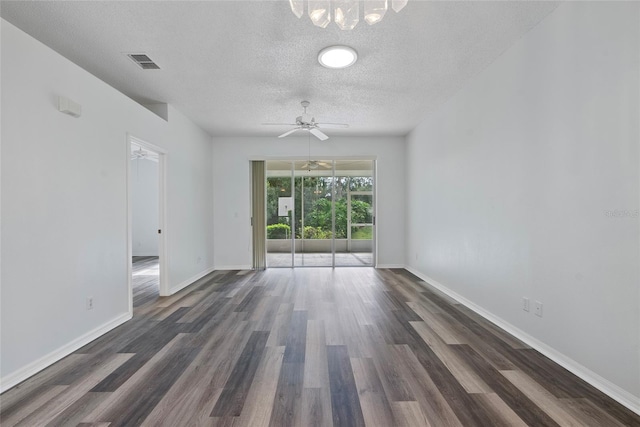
(337, 57)
(346, 13)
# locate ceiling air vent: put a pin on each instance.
(143, 61)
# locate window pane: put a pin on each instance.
(280, 211)
(354, 212)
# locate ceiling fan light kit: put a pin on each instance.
(346, 13)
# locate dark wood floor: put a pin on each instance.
(344, 347)
(146, 286)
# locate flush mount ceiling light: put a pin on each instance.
(337, 57)
(346, 13)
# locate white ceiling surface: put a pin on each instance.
(232, 65)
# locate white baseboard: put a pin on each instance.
(607, 387)
(36, 366)
(234, 267)
(390, 266)
(191, 280)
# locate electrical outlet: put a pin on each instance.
(89, 303)
(416, 256)
(525, 303)
(538, 309)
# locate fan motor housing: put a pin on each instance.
(305, 119)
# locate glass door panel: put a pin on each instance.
(313, 221)
(280, 213)
(354, 213)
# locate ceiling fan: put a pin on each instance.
(138, 154)
(143, 154)
(315, 164)
(308, 123)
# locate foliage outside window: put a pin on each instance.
(317, 209)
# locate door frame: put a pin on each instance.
(373, 215)
(374, 165)
(162, 209)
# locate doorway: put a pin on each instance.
(146, 165)
(320, 213)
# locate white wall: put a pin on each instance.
(231, 158)
(526, 183)
(144, 207)
(64, 211)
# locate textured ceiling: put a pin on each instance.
(231, 65)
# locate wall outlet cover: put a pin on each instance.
(538, 309)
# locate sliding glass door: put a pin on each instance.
(320, 213)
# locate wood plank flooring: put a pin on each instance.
(145, 270)
(306, 347)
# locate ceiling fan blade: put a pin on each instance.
(318, 134)
(288, 133)
(279, 124)
(334, 125)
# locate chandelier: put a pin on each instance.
(346, 13)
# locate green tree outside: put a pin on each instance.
(317, 212)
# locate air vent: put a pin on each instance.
(143, 61)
